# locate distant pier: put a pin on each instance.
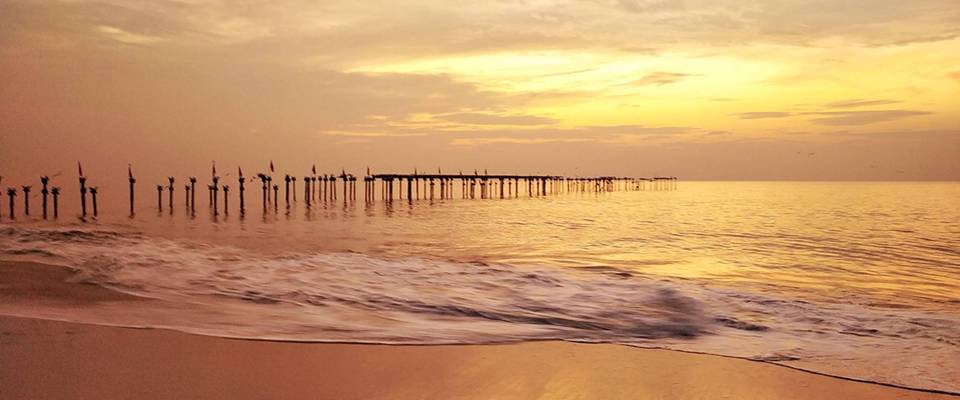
(387, 187)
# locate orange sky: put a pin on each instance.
(785, 89)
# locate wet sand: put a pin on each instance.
(61, 360)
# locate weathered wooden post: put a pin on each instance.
(186, 197)
(56, 202)
(263, 190)
(26, 200)
(214, 188)
(270, 183)
(170, 181)
(366, 189)
(293, 179)
(333, 187)
(390, 189)
(353, 188)
(193, 194)
(83, 193)
(346, 181)
(306, 189)
(416, 183)
(226, 199)
(44, 192)
(132, 182)
(93, 196)
(328, 188)
(160, 198)
(286, 189)
(241, 181)
(409, 189)
(12, 193)
(276, 192)
(321, 188)
(322, 185)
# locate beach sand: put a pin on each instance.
(42, 359)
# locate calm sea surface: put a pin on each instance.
(859, 280)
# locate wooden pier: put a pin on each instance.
(325, 189)
(487, 186)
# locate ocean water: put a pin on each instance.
(860, 280)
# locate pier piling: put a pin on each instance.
(93, 197)
(26, 200)
(56, 201)
(286, 189)
(43, 193)
(193, 194)
(170, 181)
(83, 196)
(12, 193)
(226, 199)
(276, 192)
(240, 181)
(132, 182)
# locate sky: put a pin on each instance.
(714, 90)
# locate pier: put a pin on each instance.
(322, 190)
(496, 186)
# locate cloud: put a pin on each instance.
(476, 118)
(862, 117)
(514, 140)
(660, 78)
(860, 103)
(357, 134)
(636, 130)
(762, 114)
(717, 133)
(125, 37)
(648, 6)
(342, 33)
(918, 39)
(629, 135)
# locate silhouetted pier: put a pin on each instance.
(322, 190)
(490, 186)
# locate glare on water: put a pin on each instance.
(824, 276)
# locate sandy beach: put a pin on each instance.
(61, 360)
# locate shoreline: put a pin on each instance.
(50, 359)
(82, 360)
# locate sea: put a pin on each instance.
(858, 280)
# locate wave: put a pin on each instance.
(355, 297)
